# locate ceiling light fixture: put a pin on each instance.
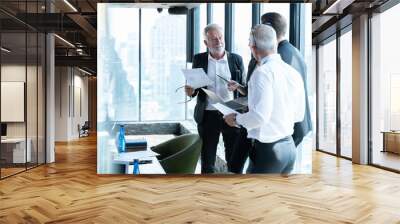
(337, 7)
(84, 71)
(65, 41)
(70, 5)
(5, 50)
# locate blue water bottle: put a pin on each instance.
(121, 139)
(135, 166)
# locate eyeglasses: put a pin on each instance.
(186, 101)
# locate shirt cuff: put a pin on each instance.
(239, 120)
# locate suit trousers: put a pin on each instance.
(240, 152)
(209, 130)
(276, 157)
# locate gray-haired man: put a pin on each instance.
(276, 101)
(210, 123)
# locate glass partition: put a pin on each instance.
(15, 151)
(22, 92)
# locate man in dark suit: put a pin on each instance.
(210, 122)
(291, 56)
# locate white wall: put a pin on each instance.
(33, 126)
(16, 73)
(71, 94)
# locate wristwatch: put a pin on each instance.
(234, 119)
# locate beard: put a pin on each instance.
(217, 50)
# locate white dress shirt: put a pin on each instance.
(276, 101)
(219, 86)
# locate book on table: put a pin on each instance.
(133, 143)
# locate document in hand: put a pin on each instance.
(196, 78)
(212, 96)
(225, 110)
(236, 104)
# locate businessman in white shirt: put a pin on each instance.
(276, 101)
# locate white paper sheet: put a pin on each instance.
(196, 78)
(224, 109)
(212, 96)
(130, 156)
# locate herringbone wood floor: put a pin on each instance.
(69, 191)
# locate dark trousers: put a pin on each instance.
(276, 157)
(209, 130)
(242, 149)
(240, 152)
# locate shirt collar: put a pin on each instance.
(225, 58)
(269, 58)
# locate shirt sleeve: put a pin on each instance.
(244, 76)
(260, 101)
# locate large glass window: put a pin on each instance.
(218, 14)
(346, 94)
(163, 57)
(303, 162)
(385, 89)
(119, 87)
(199, 48)
(241, 30)
(203, 24)
(327, 97)
(281, 8)
(124, 93)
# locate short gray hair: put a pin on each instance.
(212, 26)
(263, 37)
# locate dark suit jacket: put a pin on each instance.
(236, 68)
(293, 57)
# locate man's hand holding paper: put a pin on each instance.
(229, 114)
(189, 90)
(196, 78)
